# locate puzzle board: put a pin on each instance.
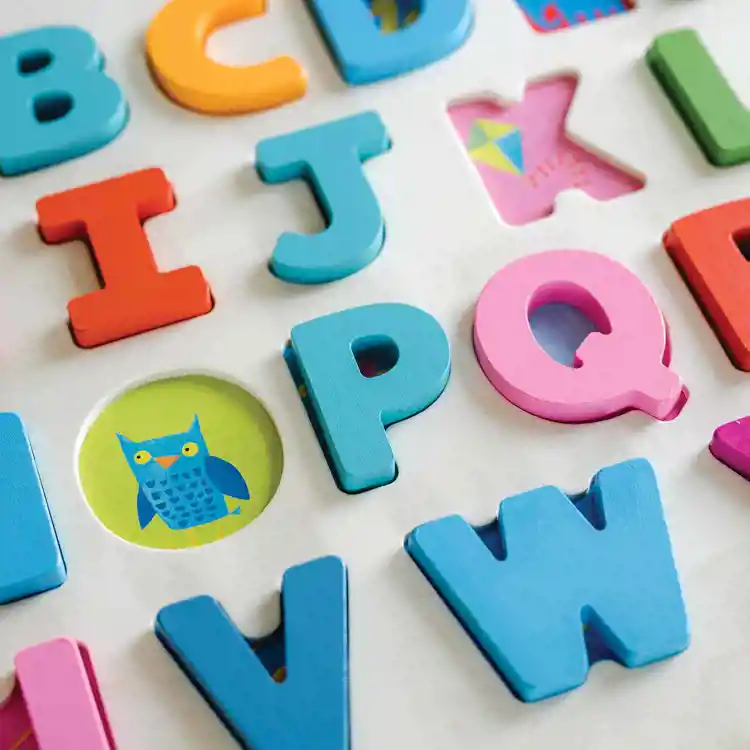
(417, 680)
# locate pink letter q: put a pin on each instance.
(622, 368)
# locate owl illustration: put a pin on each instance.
(180, 481)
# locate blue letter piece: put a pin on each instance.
(30, 557)
(330, 158)
(57, 103)
(310, 709)
(560, 566)
(365, 54)
(360, 371)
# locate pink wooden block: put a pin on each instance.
(731, 446)
(622, 368)
(55, 703)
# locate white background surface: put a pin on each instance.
(417, 681)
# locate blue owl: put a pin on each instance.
(180, 481)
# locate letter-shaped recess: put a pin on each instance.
(525, 155)
(554, 572)
(56, 703)
(621, 367)
(57, 103)
(136, 297)
(705, 247)
(365, 54)
(310, 708)
(330, 158)
(704, 99)
(175, 45)
(360, 371)
(31, 560)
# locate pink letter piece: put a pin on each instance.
(623, 368)
(731, 446)
(55, 703)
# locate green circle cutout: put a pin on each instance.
(154, 420)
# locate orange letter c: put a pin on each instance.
(175, 45)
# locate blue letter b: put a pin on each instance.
(561, 566)
(57, 103)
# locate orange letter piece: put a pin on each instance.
(136, 297)
(175, 45)
(705, 247)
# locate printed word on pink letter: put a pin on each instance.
(622, 367)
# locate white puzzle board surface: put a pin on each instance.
(417, 680)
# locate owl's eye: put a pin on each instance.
(189, 449)
(142, 457)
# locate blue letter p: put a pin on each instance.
(360, 371)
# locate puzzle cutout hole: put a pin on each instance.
(545, 16)
(53, 106)
(271, 650)
(180, 462)
(493, 539)
(593, 636)
(394, 15)
(18, 732)
(378, 356)
(296, 373)
(34, 62)
(742, 240)
(525, 156)
(375, 355)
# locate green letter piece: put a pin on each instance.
(703, 97)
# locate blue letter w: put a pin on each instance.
(561, 566)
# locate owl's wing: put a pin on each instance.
(226, 478)
(145, 510)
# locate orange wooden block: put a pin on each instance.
(136, 297)
(705, 248)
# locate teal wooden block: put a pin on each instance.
(310, 708)
(31, 560)
(364, 54)
(330, 158)
(533, 587)
(350, 406)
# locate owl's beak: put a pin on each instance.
(165, 461)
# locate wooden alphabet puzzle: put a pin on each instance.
(374, 374)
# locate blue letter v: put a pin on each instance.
(311, 708)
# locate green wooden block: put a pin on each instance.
(702, 96)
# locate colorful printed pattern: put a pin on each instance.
(545, 16)
(497, 144)
(180, 481)
(526, 158)
(393, 15)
